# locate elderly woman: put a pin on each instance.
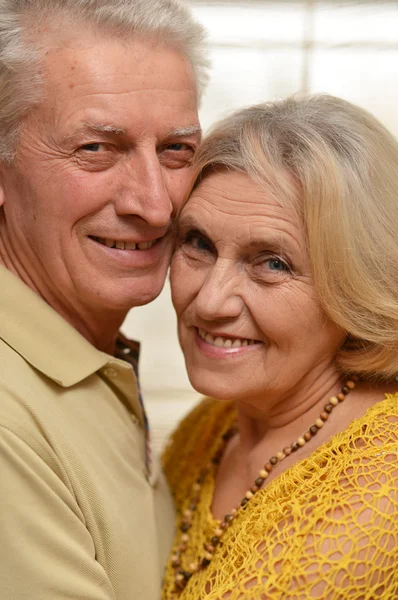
(285, 283)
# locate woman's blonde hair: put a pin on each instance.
(343, 178)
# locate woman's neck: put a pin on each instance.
(282, 416)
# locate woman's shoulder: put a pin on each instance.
(194, 441)
(378, 424)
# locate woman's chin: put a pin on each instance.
(214, 389)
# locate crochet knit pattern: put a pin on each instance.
(326, 528)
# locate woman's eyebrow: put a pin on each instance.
(278, 243)
(190, 222)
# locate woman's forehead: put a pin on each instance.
(232, 206)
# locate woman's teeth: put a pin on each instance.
(222, 342)
(124, 245)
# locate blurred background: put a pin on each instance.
(265, 50)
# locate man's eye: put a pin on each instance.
(178, 147)
(94, 147)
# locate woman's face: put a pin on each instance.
(249, 319)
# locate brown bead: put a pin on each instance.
(273, 460)
(228, 518)
(214, 540)
(287, 451)
(307, 436)
(314, 429)
(228, 434)
(254, 489)
(355, 378)
(208, 556)
(259, 482)
(175, 561)
(295, 446)
(209, 548)
(205, 563)
(324, 416)
(341, 397)
(223, 525)
(268, 467)
(345, 389)
(185, 527)
(180, 585)
(328, 408)
(350, 384)
(244, 502)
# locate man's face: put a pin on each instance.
(102, 166)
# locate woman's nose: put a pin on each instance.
(219, 297)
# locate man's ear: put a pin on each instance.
(2, 190)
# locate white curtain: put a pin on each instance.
(262, 51)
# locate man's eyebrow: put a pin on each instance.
(99, 128)
(185, 131)
(91, 128)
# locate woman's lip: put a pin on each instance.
(220, 352)
(226, 336)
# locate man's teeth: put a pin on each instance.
(222, 342)
(125, 245)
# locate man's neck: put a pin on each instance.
(99, 328)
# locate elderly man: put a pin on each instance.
(98, 122)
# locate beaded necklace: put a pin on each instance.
(183, 574)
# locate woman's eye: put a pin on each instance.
(275, 264)
(194, 240)
(271, 269)
(198, 243)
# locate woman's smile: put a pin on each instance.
(220, 345)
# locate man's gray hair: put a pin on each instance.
(24, 27)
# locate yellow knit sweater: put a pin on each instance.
(326, 528)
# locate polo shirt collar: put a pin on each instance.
(42, 337)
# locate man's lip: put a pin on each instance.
(128, 239)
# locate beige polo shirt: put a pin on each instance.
(78, 518)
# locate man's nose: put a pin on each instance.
(220, 296)
(143, 192)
